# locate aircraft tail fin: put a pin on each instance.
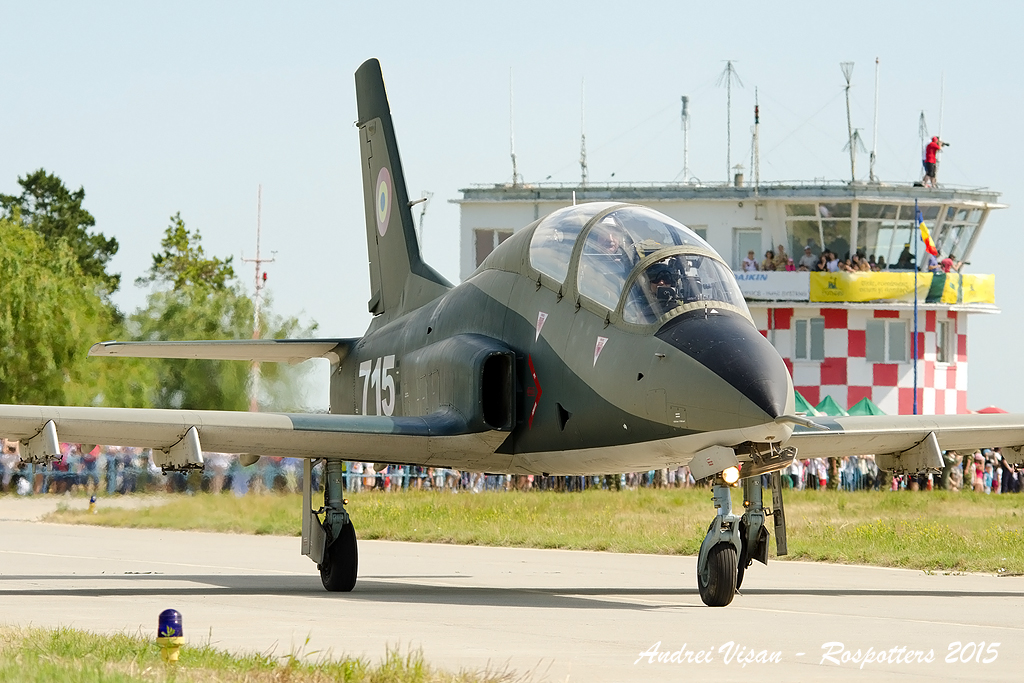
(399, 279)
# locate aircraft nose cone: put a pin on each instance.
(728, 345)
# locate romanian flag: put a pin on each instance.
(926, 236)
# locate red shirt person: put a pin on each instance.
(931, 152)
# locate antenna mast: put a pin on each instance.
(583, 133)
(756, 161)
(847, 68)
(511, 146)
(727, 76)
(922, 132)
(686, 137)
(261, 282)
(874, 131)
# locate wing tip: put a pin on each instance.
(104, 348)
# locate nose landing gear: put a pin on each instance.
(733, 542)
(717, 561)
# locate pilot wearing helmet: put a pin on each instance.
(663, 283)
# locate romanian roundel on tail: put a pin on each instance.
(399, 279)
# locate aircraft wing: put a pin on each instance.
(883, 434)
(268, 350)
(439, 438)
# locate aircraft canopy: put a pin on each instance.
(616, 243)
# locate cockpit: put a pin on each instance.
(633, 261)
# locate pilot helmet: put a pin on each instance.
(660, 272)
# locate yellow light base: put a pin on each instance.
(170, 646)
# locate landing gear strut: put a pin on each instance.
(734, 542)
(332, 542)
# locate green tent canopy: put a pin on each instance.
(828, 406)
(865, 406)
(802, 406)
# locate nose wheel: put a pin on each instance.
(734, 542)
(717, 583)
(718, 559)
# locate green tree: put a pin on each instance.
(183, 263)
(198, 297)
(50, 313)
(46, 206)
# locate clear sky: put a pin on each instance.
(189, 106)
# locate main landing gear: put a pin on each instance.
(332, 542)
(733, 542)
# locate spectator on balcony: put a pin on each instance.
(948, 265)
(906, 259)
(750, 263)
(769, 260)
(882, 264)
(781, 258)
(808, 260)
(832, 262)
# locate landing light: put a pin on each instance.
(730, 475)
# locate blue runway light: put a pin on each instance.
(169, 634)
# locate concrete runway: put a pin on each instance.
(557, 615)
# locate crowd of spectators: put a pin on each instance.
(826, 261)
(114, 470)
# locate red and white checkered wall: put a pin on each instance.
(847, 376)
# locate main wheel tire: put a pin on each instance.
(341, 562)
(720, 586)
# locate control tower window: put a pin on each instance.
(818, 226)
(809, 337)
(487, 240)
(555, 236)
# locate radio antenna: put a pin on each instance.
(261, 282)
(511, 144)
(847, 68)
(874, 131)
(727, 76)
(583, 133)
(686, 137)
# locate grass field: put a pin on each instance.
(65, 654)
(932, 530)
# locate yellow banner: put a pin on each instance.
(858, 287)
(953, 288)
(969, 289)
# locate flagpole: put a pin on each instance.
(917, 231)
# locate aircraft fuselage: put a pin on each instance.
(590, 392)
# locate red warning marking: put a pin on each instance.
(601, 341)
(530, 391)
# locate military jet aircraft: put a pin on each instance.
(604, 337)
